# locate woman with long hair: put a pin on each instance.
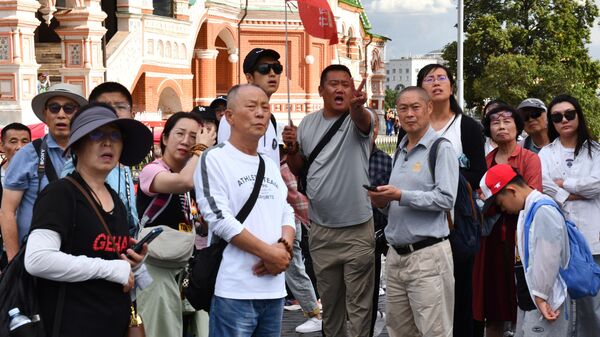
(571, 176)
(79, 242)
(495, 268)
(165, 198)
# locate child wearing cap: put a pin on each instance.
(541, 291)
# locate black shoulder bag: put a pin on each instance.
(302, 184)
(204, 266)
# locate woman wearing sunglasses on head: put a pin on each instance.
(78, 246)
(571, 176)
(495, 292)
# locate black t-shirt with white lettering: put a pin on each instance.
(93, 308)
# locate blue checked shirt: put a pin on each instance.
(380, 168)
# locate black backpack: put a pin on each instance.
(18, 289)
(465, 232)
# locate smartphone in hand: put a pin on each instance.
(147, 239)
(370, 188)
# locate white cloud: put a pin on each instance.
(411, 6)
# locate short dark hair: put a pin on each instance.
(14, 126)
(503, 107)
(333, 67)
(170, 124)
(583, 133)
(110, 87)
(454, 107)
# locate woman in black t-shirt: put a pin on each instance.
(84, 274)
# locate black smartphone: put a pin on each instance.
(147, 239)
(370, 188)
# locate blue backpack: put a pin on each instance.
(582, 274)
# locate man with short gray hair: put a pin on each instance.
(250, 286)
(420, 281)
(535, 115)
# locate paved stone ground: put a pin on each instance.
(291, 319)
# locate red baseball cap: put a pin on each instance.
(494, 180)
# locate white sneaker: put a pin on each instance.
(311, 325)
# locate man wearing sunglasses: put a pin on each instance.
(534, 114)
(32, 169)
(261, 67)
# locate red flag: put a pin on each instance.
(317, 18)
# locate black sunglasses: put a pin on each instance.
(67, 108)
(534, 114)
(265, 68)
(557, 117)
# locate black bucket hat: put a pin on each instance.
(137, 138)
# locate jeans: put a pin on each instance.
(298, 281)
(245, 318)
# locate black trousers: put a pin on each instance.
(380, 248)
(463, 295)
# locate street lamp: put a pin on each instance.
(309, 59)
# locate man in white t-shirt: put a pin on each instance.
(250, 286)
(262, 68)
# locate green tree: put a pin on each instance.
(529, 48)
(390, 98)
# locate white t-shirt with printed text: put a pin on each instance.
(224, 180)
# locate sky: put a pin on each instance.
(417, 27)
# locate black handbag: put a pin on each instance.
(204, 266)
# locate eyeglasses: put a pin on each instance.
(502, 114)
(533, 114)
(98, 135)
(557, 117)
(431, 79)
(265, 68)
(67, 108)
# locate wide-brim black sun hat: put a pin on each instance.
(137, 138)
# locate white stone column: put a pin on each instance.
(18, 68)
(81, 32)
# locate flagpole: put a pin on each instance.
(287, 66)
(459, 66)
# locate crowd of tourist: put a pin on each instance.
(323, 204)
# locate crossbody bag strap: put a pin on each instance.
(432, 161)
(325, 140)
(158, 204)
(247, 208)
(87, 196)
(127, 188)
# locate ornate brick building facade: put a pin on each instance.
(174, 54)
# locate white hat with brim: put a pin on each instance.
(38, 104)
(137, 138)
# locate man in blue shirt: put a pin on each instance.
(120, 178)
(55, 107)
